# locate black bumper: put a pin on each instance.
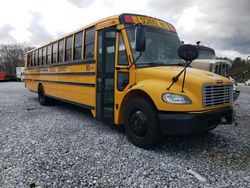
(188, 123)
(236, 94)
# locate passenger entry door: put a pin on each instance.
(105, 74)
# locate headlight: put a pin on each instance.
(176, 99)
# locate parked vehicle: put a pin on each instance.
(207, 61)
(3, 76)
(247, 83)
(20, 73)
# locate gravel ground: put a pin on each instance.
(63, 146)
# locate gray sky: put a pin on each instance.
(221, 24)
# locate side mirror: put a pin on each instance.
(140, 40)
(188, 52)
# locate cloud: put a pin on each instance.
(229, 26)
(81, 3)
(5, 36)
(220, 24)
(228, 53)
(39, 33)
(170, 8)
(223, 25)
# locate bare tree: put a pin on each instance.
(12, 56)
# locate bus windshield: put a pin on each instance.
(161, 47)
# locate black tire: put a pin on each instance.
(141, 123)
(43, 100)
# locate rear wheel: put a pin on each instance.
(43, 100)
(141, 123)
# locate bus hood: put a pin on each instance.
(155, 81)
(166, 73)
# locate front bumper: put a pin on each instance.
(188, 123)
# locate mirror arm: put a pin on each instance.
(183, 81)
(175, 78)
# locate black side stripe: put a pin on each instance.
(62, 82)
(71, 102)
(76, 62)
(62, 73)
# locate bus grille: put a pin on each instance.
(217, 94)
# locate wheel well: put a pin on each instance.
(132, 94)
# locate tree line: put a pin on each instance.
(13, 55)
(240, 70)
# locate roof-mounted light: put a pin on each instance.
(146, 20)
(128, 19)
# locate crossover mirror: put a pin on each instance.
(188, 52)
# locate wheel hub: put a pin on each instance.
(139, 123)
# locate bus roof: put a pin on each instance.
(115, 17)
(126, 18)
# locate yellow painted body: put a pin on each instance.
(79, 94)
(153, 81)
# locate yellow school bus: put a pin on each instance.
(127, 71)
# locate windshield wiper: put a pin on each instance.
(177, 64)
(151, 64)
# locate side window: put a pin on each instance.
(68, 54)
(89, 43)
(28, 60)
(60, 51)
(54, 52)
(40, 56)
(110, 38)
(32, 58)
(44, 55)
(36, 57)
(49, 54)
(122, 57)
(100, 64)
(78, 46)
(122, 80)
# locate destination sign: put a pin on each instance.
(145, 20)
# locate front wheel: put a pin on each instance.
(141, 123)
